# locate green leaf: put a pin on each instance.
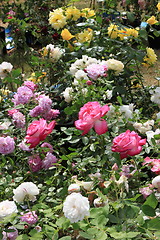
(119, 99)
(151, 201)
(65, 238)
(22, 237)
(101, 235)
(124, 235)
(92, 231)
(154, 224)
(85, 140)
(149, 211)
(86, 235)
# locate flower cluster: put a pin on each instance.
(150, 57)
(115, 31)
(60, 17)
(54, 53)
(155, 163)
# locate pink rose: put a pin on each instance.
(90, 116)
(96, 70)
(38, 131)
(12, 111)
(128, 144)
(155, 163)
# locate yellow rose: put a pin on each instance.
(66, 35)
(152, 20)
(158, 6)
(73, 13)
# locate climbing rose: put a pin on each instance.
(90, 116)
(38, 131)
(76, 207)
(6, 145)
(128, 144)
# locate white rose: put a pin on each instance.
(156, 182)
(76, 207)
(67, 94)
(5, 67)
(115, 65)
(26, 189)
(127, 110)
(7, 208)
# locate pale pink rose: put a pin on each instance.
(96, 70)
(146, 191)
(128, 144)
(10, 235)
(35, 163)
(30, 217)
(90, 115)
(49, 161)
(155, 163)
(38, 131)
(30, 85)
(6, 145)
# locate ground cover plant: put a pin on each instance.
(79, 128)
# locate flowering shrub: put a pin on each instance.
(79, 130)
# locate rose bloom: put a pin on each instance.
(30, 217)
(66, 35)
(128, 144)
(38, 131)
(96, 70)
(156, 182)
(76, 207)
(155, 163)
(152, 20)
(6, 145)
(7, 208)
(90, 116)
(115, 65)
(10, 235)
(145, 191)
(35, 163)
(25, 189)
(5, 68)
(49, 161)
(30, 85)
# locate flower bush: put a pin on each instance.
(79, 129)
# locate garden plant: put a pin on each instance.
(79, 128)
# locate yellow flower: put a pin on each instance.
(73, 12)
(85, 36)
(87, 13)
(150, 57)
(132, 32)
(3, 93)
(152, 20)
(113, 31)
(158, 6)
(57, 19)
(66, 35)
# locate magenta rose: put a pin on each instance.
(38, 131)
(90, 115)
(128, 144)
